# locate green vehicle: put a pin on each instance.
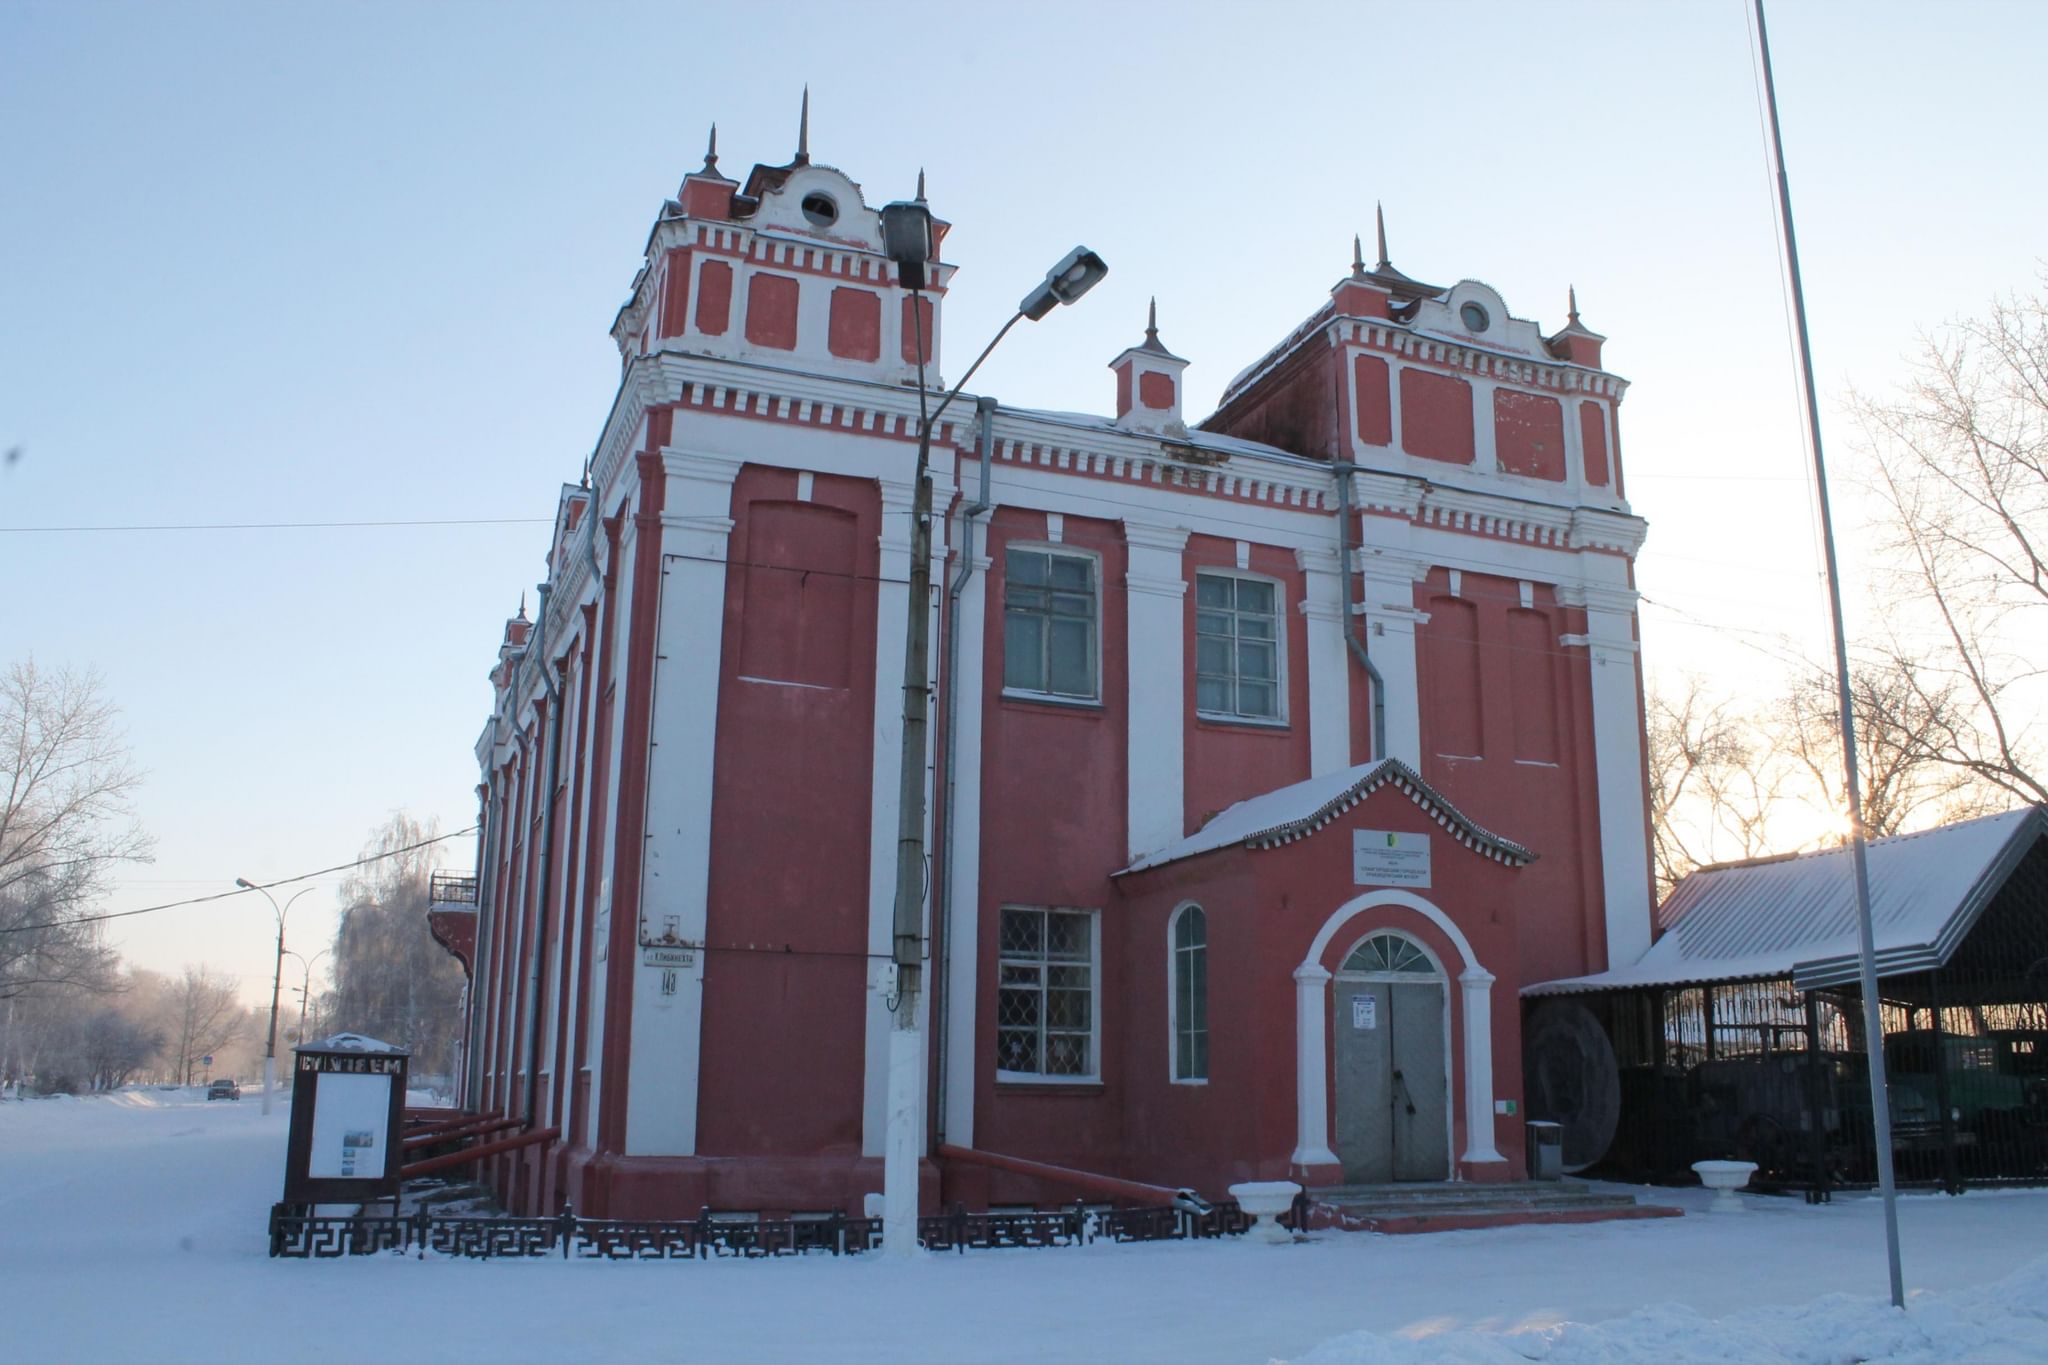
(1997, 1093)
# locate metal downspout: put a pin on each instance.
(486, 875)
(985, 419)
(547, 848)
(1344, 471)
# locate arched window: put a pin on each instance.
(1189, 1006)
(1389, 952)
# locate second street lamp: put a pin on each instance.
(906, 234)
(276, 984)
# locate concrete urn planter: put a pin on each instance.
(1724, 1178)
(1264, 1201)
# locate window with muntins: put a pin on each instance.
(1049, 608)
(1237, 647)
(1191, 995)
(1389, 953)
(1045, 998)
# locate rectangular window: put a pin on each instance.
(1237, 647)
(1049, 604)
(1045, 997)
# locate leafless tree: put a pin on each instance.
(203, 1016)
(1711, 792)
(391, 979)
(1903, 718)
(65, 824)
(1959, 457)
(114, 1045)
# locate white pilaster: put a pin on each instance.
(1476, 985)
(1387, 606)
(1311, 1068)
(1329, 664)
(1618, 766)
(963, 893)
(1485, 450)
(696, 522)
(891, 604)
(1153, 605)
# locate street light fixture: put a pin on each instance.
(306, 984)
(276, 984)
(907, 240)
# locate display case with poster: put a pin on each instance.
(348, 1097)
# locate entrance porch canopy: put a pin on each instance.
(1299, 810)
(1795, 916)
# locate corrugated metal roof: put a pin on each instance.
(1294, 812)
(1796, 916)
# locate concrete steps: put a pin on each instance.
(1449, 1207)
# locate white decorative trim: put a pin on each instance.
(1155, 662)
(1311, 1031)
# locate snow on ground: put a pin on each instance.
(132, 1227)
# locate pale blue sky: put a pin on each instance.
(287, 263)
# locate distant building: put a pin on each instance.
(1207, 903)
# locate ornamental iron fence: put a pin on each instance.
(298, 1233)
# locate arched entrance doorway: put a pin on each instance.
(1392, 1058)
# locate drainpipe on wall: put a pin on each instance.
(1352, 639)
(486, 853)
(547, 846)
(985, 420)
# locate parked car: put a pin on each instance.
(224, 1090)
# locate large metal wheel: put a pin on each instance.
(1570, 1078)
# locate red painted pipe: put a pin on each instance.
(464, 1157)
(1109, 1186)
(421, 1124)
(480, 1127)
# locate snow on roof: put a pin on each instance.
(1199, 439)
(350, 1042)
(1796, 916)
(1290, 813)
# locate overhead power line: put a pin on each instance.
(281, 525)
(223, 895)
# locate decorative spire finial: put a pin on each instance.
(803, 131)
(1357, 258)
(1572, 305)
(920, 184)
(711, 153)
(1152, 321)
(522, 605)
(1379, 218)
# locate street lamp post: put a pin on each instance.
(906, 236)
(276, 984)
(305, 984)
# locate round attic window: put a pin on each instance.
(1472, 315)
(820, 209)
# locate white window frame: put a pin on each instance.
(1173, 993)
(1278, 720)
(1057, 549)
(1094, 1072)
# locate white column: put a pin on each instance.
(1389, 620)
(1311, 1070)
(1476, 984)
(963, 891)
(1153, 605)
(1485, 452)
(891, 604)
(1329, 664)
(1574, 447)
(668, 1010)
(1617, 765)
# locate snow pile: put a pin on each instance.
(2004, 1321)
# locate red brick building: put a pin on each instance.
(1273, 753)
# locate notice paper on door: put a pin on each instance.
(1365, 1011)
